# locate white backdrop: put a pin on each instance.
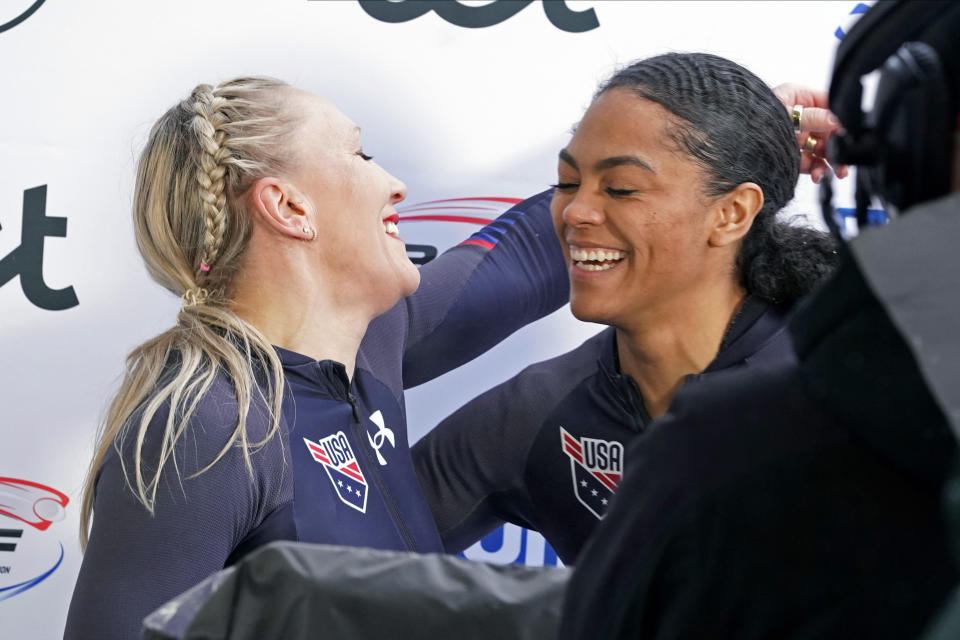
(453, 111)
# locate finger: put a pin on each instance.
(817, 119)
(786, 93)
(820, 167)
(839, 170)
(816, 173)
(806, 162)
(813, 166)
(790, 93)
(819, 149)
(812, 145)
(816, 98)
(817, 166)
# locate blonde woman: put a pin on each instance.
(273, 409)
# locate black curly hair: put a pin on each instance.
(733, 126)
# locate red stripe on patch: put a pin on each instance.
(353, 471)
(606, 480)
(572, 443)
(573, 453)
(479, 243)
(318, 452)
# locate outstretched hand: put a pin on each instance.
(817, 124)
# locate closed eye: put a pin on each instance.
(565, 186)
(620, 193)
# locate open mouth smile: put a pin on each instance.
(390, 226)
(594, 259)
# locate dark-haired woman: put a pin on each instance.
(666, 210)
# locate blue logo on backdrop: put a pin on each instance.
(461, 15)
(10, 24)
(28, 555)
(511, 544)
(27, 259)
(852, 17)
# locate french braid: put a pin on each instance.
(214, 150)
(200, 157)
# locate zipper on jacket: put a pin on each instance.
(372, 467)
(636, 402)
(352, 399)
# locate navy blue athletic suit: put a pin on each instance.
(340, 470)
(546, 449)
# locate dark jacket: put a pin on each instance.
(545, 450)
(339, 472)
(804, 502)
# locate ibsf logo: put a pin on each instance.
(28, 555)
(477, 16)
(13, 12)
(434, 233)
(596, 467)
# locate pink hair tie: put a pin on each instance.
(204, 266)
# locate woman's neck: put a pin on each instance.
(300, 312)
(659, 354)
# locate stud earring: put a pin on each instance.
(312, 232)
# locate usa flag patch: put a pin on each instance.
(596, 467)
(336, 456)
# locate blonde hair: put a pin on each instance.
(192, 230)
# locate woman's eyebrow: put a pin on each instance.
(616, 161)
(607, 163)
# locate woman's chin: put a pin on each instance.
(587, 311)
(411, 281)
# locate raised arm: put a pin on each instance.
(479, 292)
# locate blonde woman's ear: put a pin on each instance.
(280, 207)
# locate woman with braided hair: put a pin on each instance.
(273, 409)
(666, 208)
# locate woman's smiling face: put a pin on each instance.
(630, 211)
(357, 241)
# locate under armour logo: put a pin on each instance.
(383, 433)
(475, 17)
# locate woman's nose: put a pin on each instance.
(398, 190)
(582, 210)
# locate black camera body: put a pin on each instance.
(903, 146)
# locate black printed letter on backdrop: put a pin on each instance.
(27, 259)
(421, 254)
(23, 16)
(461, 15)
